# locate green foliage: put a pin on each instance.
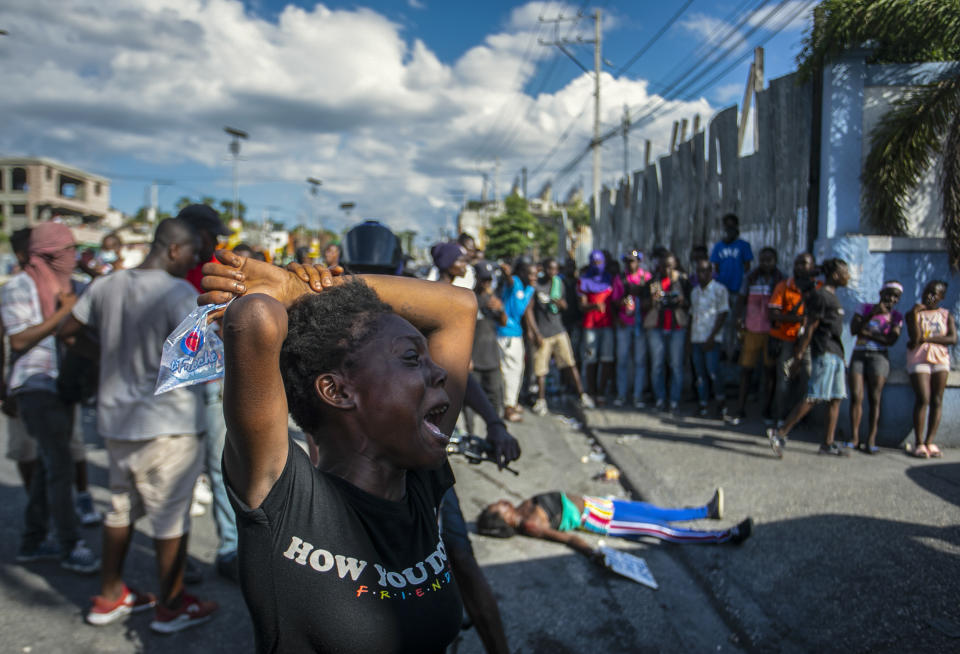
(579, 214)
(895, 31)
(902, 146)
(513, 232)
(950, 191)
(908, 138)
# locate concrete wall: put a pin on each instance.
(854, 97)
(678, 202)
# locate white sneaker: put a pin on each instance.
(540, 407)
(202, 492)
(587, 402)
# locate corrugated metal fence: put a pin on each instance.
(678, 202)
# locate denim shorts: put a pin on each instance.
(827, 379)
(598, 343)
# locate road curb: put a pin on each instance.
(740, 635)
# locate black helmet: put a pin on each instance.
(371, 247)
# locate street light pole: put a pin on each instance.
(237, 134)
(315, 185)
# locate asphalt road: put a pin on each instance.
(860, 554)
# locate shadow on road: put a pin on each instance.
(943, 480)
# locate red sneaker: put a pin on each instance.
(192, 612)
(104, 611)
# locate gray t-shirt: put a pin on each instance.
(132, 312)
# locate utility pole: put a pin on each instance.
(237, 134)
(561, 44)
(152, 211)
(595, 144)
(626, 142)
(753, 86)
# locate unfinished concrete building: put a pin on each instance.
(34, 189)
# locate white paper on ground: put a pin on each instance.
(628, 565)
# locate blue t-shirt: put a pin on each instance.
(729, 259)
(515, 301)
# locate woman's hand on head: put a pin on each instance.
(232, 276)
(317, 277)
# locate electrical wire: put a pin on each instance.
(648, 115)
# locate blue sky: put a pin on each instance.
(400, 106)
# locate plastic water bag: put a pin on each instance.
(192, 353)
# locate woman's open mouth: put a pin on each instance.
(431, 420)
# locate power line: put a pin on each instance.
(646, 46)
(647, 115)
(652, 105)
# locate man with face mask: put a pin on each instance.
(33, 304)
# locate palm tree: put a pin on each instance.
(922, 124)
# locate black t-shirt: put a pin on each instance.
(546, 312)
(486, 354)
(824, 306)
(572, 316)
(552, 505)
(327, 567)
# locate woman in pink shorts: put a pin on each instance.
(931, 329)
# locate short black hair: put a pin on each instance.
(831, 266)
(324, 332)
(771, 250)
(174, 231)
(731, 216)
(302, 253)
(20, 240)
(932, 284)
(491, 523)
(464, 237)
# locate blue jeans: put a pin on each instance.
(213, 439)
(639, 360)
(631, 361)
(624, 359)
(663, 344)
(707, 366)
(50, 422)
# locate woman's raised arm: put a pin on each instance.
(254, 403)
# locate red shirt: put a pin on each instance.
(196, 274)
(667, 313)
(595, 318)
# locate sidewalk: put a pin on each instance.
(860, 553)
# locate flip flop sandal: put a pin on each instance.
(920, 452)
(934, 451)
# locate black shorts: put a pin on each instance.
(871, 363)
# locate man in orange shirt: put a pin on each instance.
(786, 318)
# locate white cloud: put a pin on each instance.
(416, 4)
(337, 94)
(727, 93)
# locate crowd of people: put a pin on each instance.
(374, 367)
(643, 332)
